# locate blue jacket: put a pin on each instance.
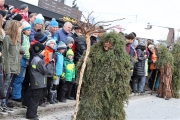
(61, 36)
(31, 36)
(59, 63)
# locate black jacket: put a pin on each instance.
(93, 40)
(139, 67)
(74, 36)
(80, 48)
(38, 72)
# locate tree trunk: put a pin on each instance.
(82, 74)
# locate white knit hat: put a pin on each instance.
(26, 26)
(40, 16)
(50, 41)
(151, 46)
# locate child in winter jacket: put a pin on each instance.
(48, 56)
(69, 44)
(19, 78)
(69, 72)
(38, 38)
(59, 70)
(38, 79)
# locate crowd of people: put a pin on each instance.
(38, 60)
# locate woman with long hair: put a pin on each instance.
(11, 53)
(2, 95)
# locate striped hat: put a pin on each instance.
(26, 26)
(61, 45)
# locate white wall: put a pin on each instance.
(68, 2)
(33, 2)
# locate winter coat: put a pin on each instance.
(31, 51)
(80, 48)
(61, 36)
(69, 69)
(139, 67)
(31, 36)
(131, 52)
(48, 56)
(93, 40)
(38, 72)
(73, 35)
(26, 46)
(12, 57)
(153, 58)
(59, 63)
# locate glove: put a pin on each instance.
(63, 75)
(54, 77)
(73, 80)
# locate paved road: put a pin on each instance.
(153, 108)
(140, 108)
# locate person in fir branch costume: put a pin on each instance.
(105, 86)
(165, 64)
(176, 73)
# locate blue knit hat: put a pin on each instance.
(54, 23)
(38, 21)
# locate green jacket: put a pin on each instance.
(69, 69)
(11, 56)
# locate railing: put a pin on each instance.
(60, 8)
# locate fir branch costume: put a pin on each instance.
(176, 73)
(165, 64)
(106, 80)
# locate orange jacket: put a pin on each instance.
(154, 58)
(48, 54)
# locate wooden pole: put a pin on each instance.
(82, 74)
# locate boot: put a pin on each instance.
(51, 94)
(54, 97)
(63, 96)
(69, 93)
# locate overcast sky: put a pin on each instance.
(157, 12)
